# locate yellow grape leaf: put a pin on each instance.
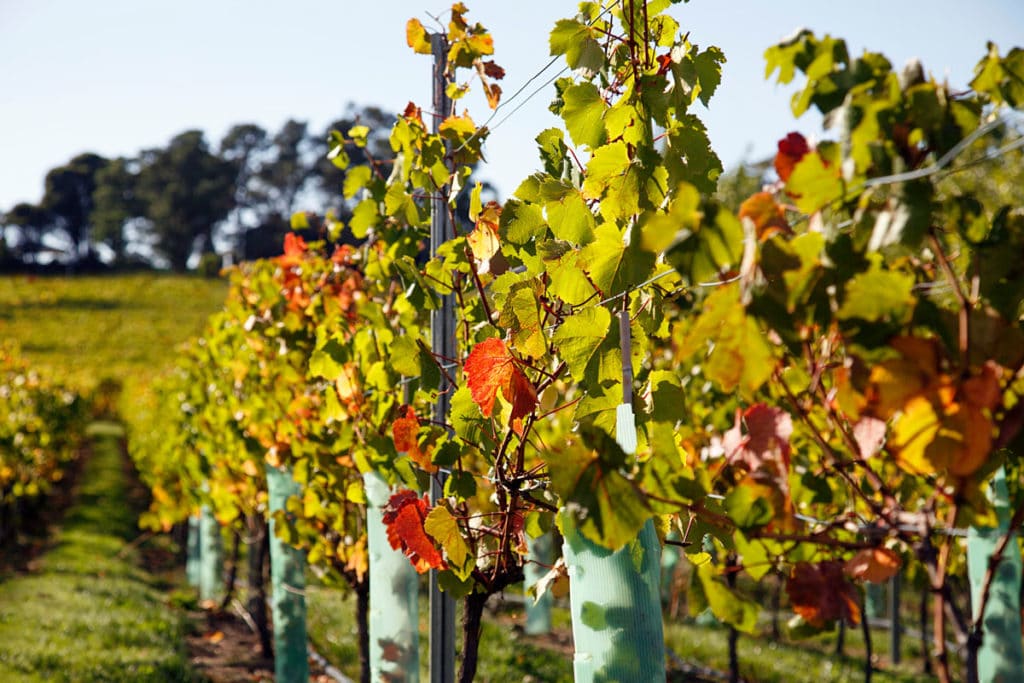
(483, 240)
(443, 528)
(929, 437)
(416, 37)
(250, 469)
(358, 558)
(892, 383)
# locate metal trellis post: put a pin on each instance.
(895, 627)
(442, 343)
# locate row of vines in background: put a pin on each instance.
(42, 429)
(819, 387)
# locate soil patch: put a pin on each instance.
(225, 650)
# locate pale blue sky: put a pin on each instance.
(114, 76)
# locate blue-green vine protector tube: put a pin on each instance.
(616, 608)
(540, 556)
(1001, 657)
(192, 547)
(874, 600)
(211, 556)
(394, 586)
(288, 584)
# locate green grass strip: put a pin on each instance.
(90, 613)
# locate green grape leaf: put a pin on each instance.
(568, 282)
(613, 265)
(567, 213)
(405, 356)
(739, 356)
(607, 507)
(328, 360)
(814, 184)
(364, 217)
(612, 178)
(747, 508)
(712, 250)
(583, 113)
(355, 180)
(727, 604)
(521, 222)
(460, 485)
(754, 556)
(579, 337)
(578, 42)
(878, 294)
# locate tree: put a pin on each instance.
(246, 146)
(31, 222)
(115, 203)
(69, 200)
(286, 175)
(186, 191)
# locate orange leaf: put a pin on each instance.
(820, 593)
(294, 250)
(792, 149)
(405, 431)
(876, 565)
(413, 113)
(493, 93)
(490, 368)
(984, 390)
(403, 517)
(664, 63)
(767, 216)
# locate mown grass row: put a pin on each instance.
(88, 612)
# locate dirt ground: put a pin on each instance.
(225, 650)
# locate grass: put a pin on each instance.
(123, 326)
(89, 613)
(767, 661)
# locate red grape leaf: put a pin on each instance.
(792, 149)
(521, 394)
(403, 517)
(493, 70)
(764, 447)
(820, 593)
(489, 368)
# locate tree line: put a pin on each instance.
(165, 207)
